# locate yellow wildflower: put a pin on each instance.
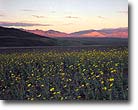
(84, 70)
(76, 89)
(82, 85)
(39, 95)
(28, 85)
(62, 74)
(87, 84)
(79, 97)
(58, 92)
(111, 85)
(105, 88)
(102, 82)
(54, 93)
(32, 99)
(97, 76)
(52, 89)
(116, 64)
(42, 85)
(111, 79)
(101, 72)
(61, 98)
(92, 73)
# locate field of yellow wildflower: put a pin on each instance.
(65, 75)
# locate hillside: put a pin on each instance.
(10, 37)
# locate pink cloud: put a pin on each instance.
(22, 24)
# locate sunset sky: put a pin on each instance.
(64, 15)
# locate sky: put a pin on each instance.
(64, 15)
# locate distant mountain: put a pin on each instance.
(118, 32)
(49, 33)
(93, 34)
(79, 33)
(17, 37)
(110, 33)
(52, 33)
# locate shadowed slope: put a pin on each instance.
(15, 37)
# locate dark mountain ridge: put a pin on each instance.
(16, 37)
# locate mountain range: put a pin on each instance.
(103, 33)
(12, 37)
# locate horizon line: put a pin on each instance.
(74, 31)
